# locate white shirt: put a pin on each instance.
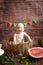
(19, 38)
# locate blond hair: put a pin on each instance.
(20, 24)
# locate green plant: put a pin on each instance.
(40, 42)
(25, 61)
(7, 60)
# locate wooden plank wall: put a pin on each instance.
(20, 11)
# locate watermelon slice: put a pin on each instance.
(36, 52)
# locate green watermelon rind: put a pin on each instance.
(33, 55)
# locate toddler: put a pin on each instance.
(21, 40)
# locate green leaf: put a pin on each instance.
(6, 58)
(40, 42)
(26, 63)
(23, 58)
(11, 59)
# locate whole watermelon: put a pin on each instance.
(40, 42)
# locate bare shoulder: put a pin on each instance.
(26, 34)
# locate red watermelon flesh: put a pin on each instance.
(36, 52)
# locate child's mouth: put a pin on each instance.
(19, 30)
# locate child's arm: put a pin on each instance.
(28, 37)
(14, 39)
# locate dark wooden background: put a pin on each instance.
(20, 11)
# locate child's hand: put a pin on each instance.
(9, 42)
(31, 41)
(25, 42)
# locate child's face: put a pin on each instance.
(20, 28)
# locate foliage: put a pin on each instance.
(9, 59)
(24, 60)
(40, 42)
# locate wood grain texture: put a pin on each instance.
(20, 11)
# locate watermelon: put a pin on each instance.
(36, 52)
